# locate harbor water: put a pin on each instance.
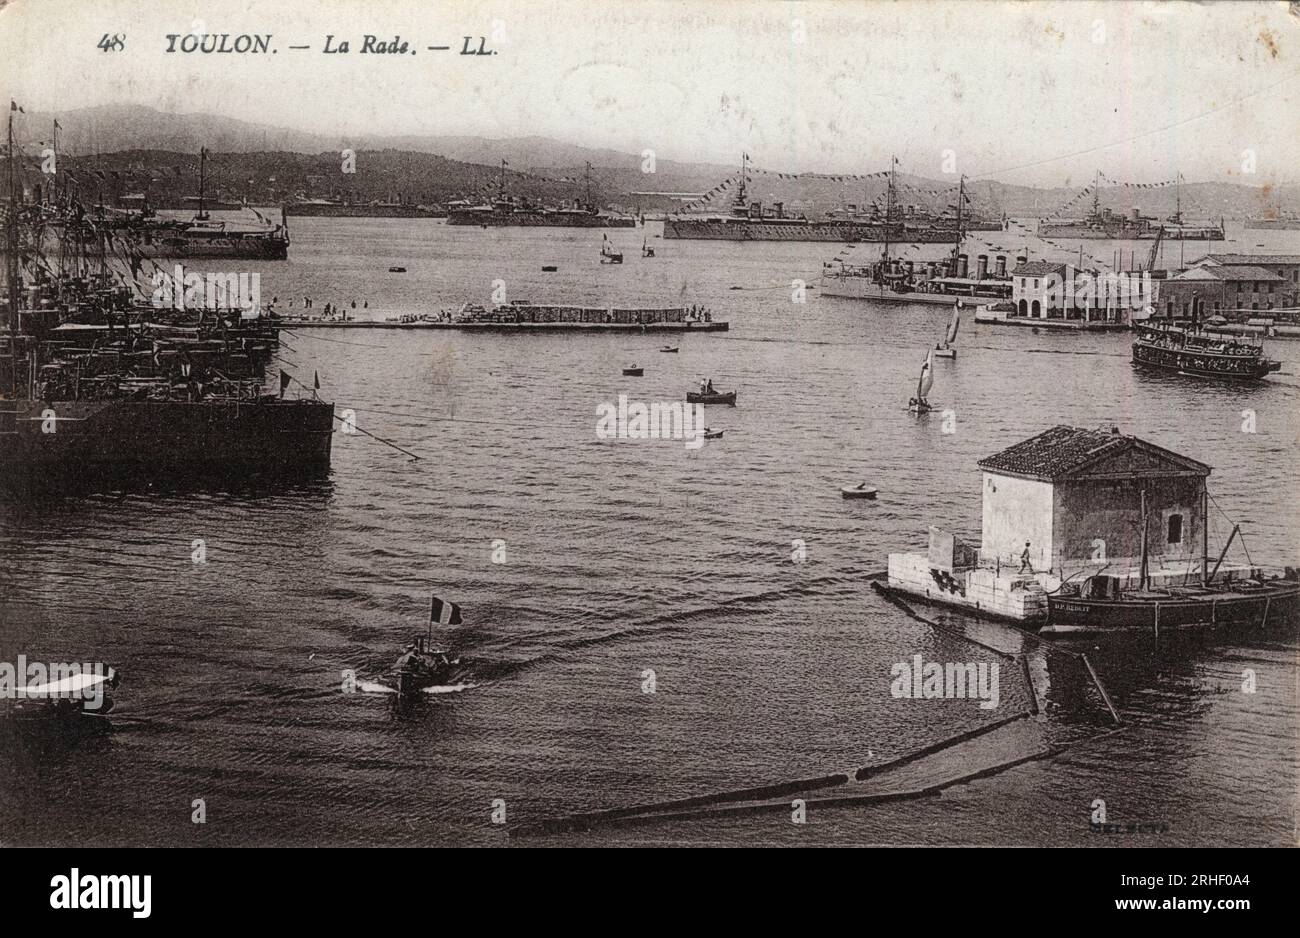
(647, 620)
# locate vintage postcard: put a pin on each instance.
(588, 424)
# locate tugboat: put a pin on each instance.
(421, 666)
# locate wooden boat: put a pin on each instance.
(1100, 605)
(634, 371)
(549, 268)
(397, 270)
(607, 255)
(1257, 601)
(646, 251)
(862, 490)
(670, 348)
(717, 397)
(713, 434)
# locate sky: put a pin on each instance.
(1039, 93)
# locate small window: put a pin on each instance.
(1175, 529)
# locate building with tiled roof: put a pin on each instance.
(1075, 496)
(1059, 295)
(1232, 285)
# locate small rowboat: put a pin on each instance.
(549, 268)
(670, 348)
(858, 491)
(944, 352)
(397, 270)
(634, 371)
(713, 434)
(717, 397)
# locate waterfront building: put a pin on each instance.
(1059, 507)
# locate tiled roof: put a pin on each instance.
(1038, 269)
(1202, 273)
(1252, 258)
(1231, 272)
(1063, 450)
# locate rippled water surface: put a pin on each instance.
(621, 558)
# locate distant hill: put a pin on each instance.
(156, 152)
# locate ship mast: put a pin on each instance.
(56, 162)
(587, 177)
(11, 262)
(961, 199)
(501, 183)
(1096, 194)
(203, 180)
(889, 205)
(1142, 574)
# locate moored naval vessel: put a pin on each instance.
(203, 236)
(891, 280)
(752, 221)
(509, 211)
(1277, 221)
(1103, 224)
(91, 390)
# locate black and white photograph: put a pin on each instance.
(649, 423)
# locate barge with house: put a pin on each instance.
(1087, 531)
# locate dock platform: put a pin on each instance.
(675, 327)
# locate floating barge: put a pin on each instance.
(521, 316)
(1088, 531)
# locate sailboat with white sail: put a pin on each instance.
(920, 404)
(946, 349)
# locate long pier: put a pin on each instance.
(677, 327)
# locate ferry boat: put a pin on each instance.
(1189, 351)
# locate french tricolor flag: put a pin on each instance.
(442, 612)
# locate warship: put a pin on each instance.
(1274, 221)
(752, 221)
(97, 386)
(202, 235)
(509, 211)
(890, 280)
(1106, 225)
